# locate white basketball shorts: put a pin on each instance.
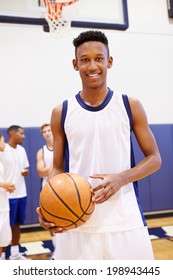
(127, 245)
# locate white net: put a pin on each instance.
(59, 14)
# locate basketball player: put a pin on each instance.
(92, 135)
(45, 154)
(15, 163)
(44, 160)
(5, 187)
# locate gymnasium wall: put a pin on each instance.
(36, 74)
(36, 70)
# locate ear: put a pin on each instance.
(75, 64)
(110, 61)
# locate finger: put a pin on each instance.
(99, 187)
(102, 198)
(97, 176)
(57, 230)
(45, 224)
(100, 194)
(38, 210)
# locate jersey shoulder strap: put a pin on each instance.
(128, 109)
(64, 112)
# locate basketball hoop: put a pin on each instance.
(58, 15)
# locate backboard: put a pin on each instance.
(98, 14)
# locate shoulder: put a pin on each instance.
(135, 104)
(138, 113)
(57, 110)
(56, 119)
(20, 148)
(40, 151)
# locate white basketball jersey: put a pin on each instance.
(99, 142)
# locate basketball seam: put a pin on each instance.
(63, 202)
(79, 198)
(78, 194)
(61, 218)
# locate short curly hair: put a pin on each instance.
(92, 35)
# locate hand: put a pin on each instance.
(111, 183)
(9, 187)
(48, 225)
(24, 172)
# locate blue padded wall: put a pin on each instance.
(156, 191)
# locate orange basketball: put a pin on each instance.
(66, 200)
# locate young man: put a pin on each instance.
(45, 154)
(5, 188)
(44, 161)
(92, 137)
(15, 163)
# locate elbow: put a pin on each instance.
(39, 173)
(158, 162)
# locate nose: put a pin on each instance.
(92, 64)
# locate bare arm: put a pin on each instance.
(58, 142)
(111, 183)
(146, 140)
(58, 161)
(8, 186)
(42, 170)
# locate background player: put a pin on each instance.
(15, 163)
(45, 158)
(45, 154)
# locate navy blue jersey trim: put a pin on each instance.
(98, 108)
(135, 184)
(128, 109)
(63, 116)
(64, 112)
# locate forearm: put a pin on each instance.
(43, 172)
(55, 171)
(144, 168)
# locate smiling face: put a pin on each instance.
(92, 61)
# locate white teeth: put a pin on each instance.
(93, 75)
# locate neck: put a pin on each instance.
(94, 97)
(13, 145)
(50, 145)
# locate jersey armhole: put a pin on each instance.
(128, 109)
(64, 113)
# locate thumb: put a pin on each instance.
(38, 210)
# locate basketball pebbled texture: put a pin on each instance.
(66, 200)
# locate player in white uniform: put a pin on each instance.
(45, 154)
(5, 187)
(93, 130)
(44, 160)
(15, 163)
